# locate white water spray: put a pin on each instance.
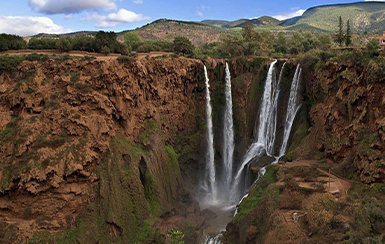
(228, 132)
(292, 109)
(266, 129)
(210, 142)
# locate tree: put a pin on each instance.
(280, 45)
(64, 44)
(231, 45)
(183, 45)
(132, 40)
(373, 47)
(340, 34)
(348, 36)
(11, 42)
(176, 236)
(105, 50)
(325, 41)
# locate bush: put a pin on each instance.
(64, 44)
(320, 209)
(373, 48)
(125, 59)
(132, 40)
(42, 43)
(183, 45)
(105, 50)
(176, 236)
(36, 57)
(11, 42)
(9, 63)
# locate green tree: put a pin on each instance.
(280, 44)
(132, 40)
(340, 35)
(373, 47)
(348, 35)
(176, 236)
(183, 45)
(325, 41)
(64, 44)
(105, 50)
(11, 42)
(231, 45)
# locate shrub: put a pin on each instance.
(42, 43)
(132, 40)
(320, 211)
(125, 59)
(373, 48)
(105, 50)
(176, 236)
(11, 42)
(183, 45)
(64, 44)
(9, 63)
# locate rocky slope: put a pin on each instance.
(333, 190)
(105, 150)
(88, 146)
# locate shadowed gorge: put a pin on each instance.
(245, 150)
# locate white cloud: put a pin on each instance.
(69, 6)
(138, 1)
(284, 16)
(113, 19)
(29, 25)
(199, 13)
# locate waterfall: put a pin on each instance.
(272, 120)
(292, 109)
(210, 141)
(266, 129)
(228, 133)
(214, 239)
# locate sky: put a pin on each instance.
(30, 17)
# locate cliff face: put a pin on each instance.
(347, 115)
(89, 146)
(330, 187)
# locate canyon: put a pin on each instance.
(111, 151)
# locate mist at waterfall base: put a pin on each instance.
(222, 194)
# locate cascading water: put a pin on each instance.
(264, 139)
(292, 109)
(266, 129)
(228, 133)
(210, 142)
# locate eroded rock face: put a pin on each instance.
(347, 120)
(89, 138)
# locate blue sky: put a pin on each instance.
(28, 17)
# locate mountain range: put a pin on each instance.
(364, 17)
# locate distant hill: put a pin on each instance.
(363, 16)
(165, 29)
(261, 21)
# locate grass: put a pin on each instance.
(257, 193)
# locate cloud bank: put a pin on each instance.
(284, 16)
(69, 6)
(113, 19)
(29, 25)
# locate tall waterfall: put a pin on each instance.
(232, 186)
(266, 130)
(210, 142)
(292, 109)
(228, 133)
